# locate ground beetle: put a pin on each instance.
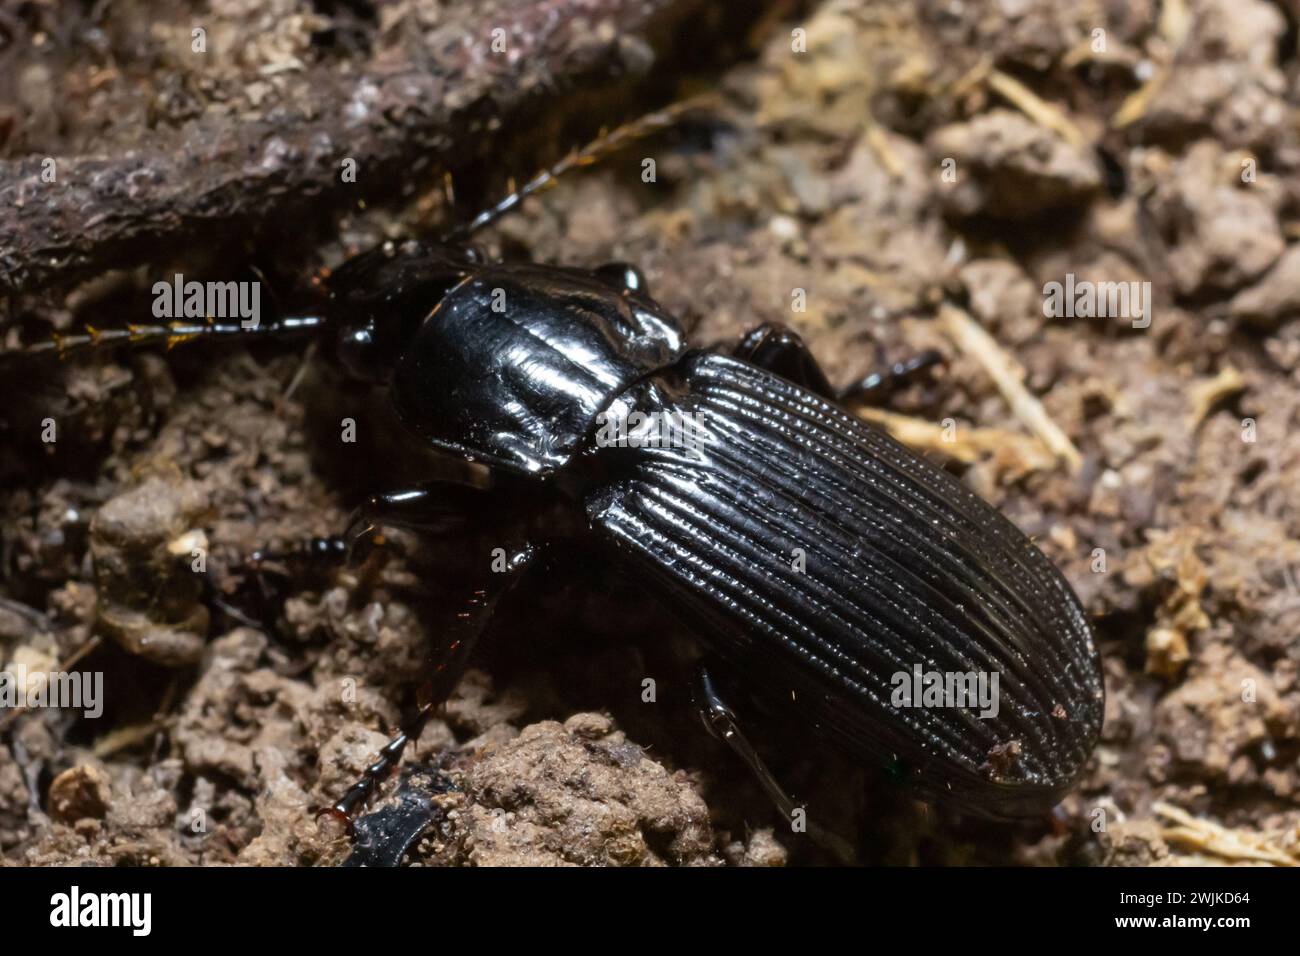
(815, 557)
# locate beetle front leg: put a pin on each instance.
(722, 723)
(780, 349)
(435, 509)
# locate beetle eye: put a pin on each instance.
(623, 276)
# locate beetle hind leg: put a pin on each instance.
(722, 723)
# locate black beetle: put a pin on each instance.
(816, 558)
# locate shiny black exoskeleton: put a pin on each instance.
(815, 557)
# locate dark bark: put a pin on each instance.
(395, 115)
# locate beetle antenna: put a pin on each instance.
(605, 144)
(170, 335)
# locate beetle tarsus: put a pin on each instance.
(318, 552)
(360, 793)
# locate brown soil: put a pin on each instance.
(915, 167)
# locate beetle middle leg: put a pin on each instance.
(441, 510)
(780, 349)
(450, 658)
(444, 511)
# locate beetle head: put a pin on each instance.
(379, 299)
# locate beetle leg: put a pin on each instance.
(320, 552)
(458, 641)
(346, 807)
(721, 722)
(437, 509)
(780, 349)
(456, 644)
(878, 386)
